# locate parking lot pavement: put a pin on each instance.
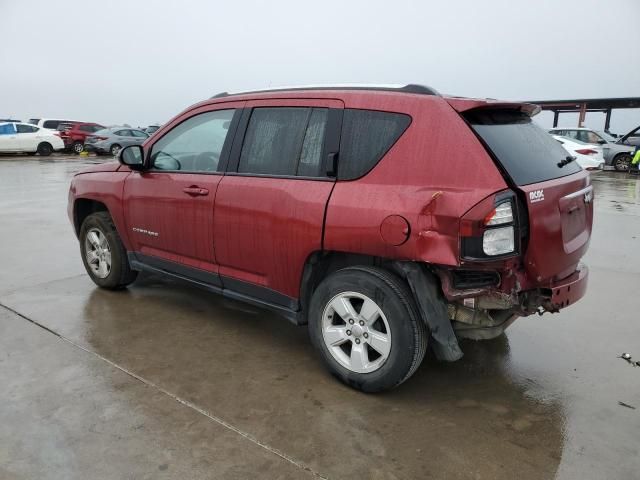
(225, 390)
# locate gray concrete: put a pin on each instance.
(166, 381)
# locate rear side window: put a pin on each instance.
(26, 128)
(53, 124)
(366, 136)
(284, 141)
(89, 128)
(525, 151)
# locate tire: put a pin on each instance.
(77, 147)
(113, 272)
(622, 162)
(45, 149)
(396, 319)
(115, 149)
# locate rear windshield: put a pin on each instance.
(525, 151)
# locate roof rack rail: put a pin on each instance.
(409, 88)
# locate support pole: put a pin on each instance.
(583, 114)
(607, 120)
(556, 114)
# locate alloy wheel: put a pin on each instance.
(98, 253)
(356, 332)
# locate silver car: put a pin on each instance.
(617, 155)
(111, 140)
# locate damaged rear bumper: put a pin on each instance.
(486, 315)
(569, 290)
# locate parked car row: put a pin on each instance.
(617, 153)
(587, 156)
(47, 135)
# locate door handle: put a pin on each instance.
(194, 190)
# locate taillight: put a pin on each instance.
(586, 151)
(490, 229)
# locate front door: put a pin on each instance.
(8, 138)
(270, 206)
(169, 206)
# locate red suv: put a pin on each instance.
(384, 218)
(75, 134)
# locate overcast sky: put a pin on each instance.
(141, 62)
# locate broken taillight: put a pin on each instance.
(490, 229)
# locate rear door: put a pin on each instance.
(169, 208)
(27, 137)
(270, 205)
(557, 191)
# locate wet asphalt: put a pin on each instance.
(164, 380)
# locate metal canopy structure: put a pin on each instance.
(584, 105)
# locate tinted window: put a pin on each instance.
(89, 128)
(51, 124)
(310, 164)
(273, 141)
(137, 133)
(366, 136)
(195, 145)
(26, 128)
(526, 152)
(123, 133)
(7, 129)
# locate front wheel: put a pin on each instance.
(622, 162)
(365, 325)
(78, 147)
(103, 254)
(115, 149)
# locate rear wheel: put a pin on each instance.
(45, 149)
(365, 325)
(115, 149)
(103, 253)
(622, 162)
(78, 147)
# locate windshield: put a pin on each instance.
(605, 135)
(527, 153)
(104, 131)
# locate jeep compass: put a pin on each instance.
(384, 218)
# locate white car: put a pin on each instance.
(589, 157)
(25, 138)
(48, 123)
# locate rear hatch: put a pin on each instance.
(557, 192)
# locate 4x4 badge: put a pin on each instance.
(588, 196)
(536, 196)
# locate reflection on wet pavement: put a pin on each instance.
(540, 402)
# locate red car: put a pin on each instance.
(75, 134)
(384, 218)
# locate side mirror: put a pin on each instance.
(602, 142)
(132, 156)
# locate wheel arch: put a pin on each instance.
(83, 207)
(423, 284)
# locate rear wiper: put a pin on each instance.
(568, 159)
